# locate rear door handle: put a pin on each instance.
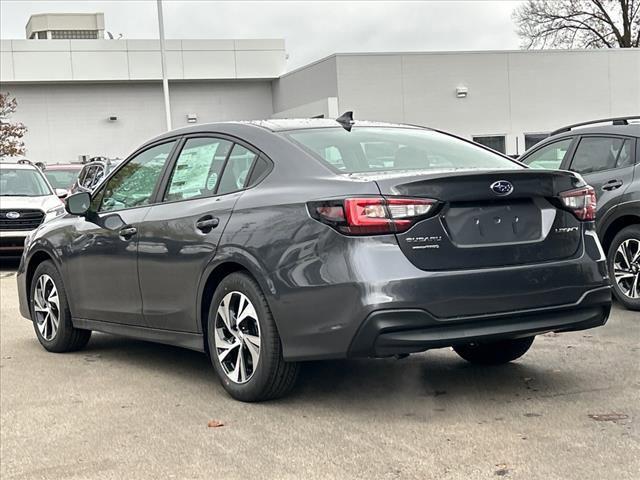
(128, 232)
(206, 224)
(612, 185)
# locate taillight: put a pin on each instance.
(372, 215)
(581, 201)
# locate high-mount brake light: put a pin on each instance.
(582, 202)
(372, 215)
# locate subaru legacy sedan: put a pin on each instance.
(264, 244)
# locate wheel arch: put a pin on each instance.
(35, 259)
(615, 226)
(215, 273)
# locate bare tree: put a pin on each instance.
(11, 133)
(579, 23)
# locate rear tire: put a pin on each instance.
(494, 353)
(50, 312)
(627, 288)
(245, 348)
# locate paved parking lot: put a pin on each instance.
(129, 409)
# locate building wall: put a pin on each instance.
(306, 86)
(509, 93)
(124, 60)
(68, 120)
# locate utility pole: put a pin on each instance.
(165, 80)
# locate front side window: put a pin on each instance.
(595, 154)
(236, 172)
(197, 169)
(376, 149)
(550, 156)
(133, 185)
(22, 182)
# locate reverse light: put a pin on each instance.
(372, 215)
(582, 202)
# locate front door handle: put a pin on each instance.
(612, 185)
(206, 224)
(128, 232)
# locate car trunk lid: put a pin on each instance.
(486, 218)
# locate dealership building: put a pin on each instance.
(80, 93)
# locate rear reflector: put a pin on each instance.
(372, 215)
(582, 202)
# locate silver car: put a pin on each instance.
(26, 200)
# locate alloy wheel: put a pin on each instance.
(237, 337)
(46, 305)
(626, 267)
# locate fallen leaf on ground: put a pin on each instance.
(215, 424)
(502, 469)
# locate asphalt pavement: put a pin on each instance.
(127, 409)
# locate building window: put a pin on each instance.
(530, 139)
(74, 34)
(496, 142)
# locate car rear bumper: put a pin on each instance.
(391, 332)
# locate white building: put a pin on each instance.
(104, 97)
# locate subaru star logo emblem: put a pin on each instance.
(502, 187)
(13, 215)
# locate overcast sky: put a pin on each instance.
(312, 30)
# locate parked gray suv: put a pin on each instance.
(608, 158)
(268, 243)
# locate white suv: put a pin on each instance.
(26, 200)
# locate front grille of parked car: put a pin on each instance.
(27, 219)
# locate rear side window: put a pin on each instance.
(596, 154)
(260, 169)
(625, 158)
(236, 172)
(372, 149)
(550, 156)
(198, 169)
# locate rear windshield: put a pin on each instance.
(22, 182)
(376, 149)
(61, 178)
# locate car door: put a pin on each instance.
(179, 236)
(101, 257)
(607, 164)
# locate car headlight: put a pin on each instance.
(54, 212)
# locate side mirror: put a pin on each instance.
(61, 192)
(78, 203)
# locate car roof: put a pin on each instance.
(65, 166)
(273, 125)
(279, 125)
(632, 130)
(17, 166)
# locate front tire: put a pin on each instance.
(494, 353)
(244, 344)
(623, 261)
(50, 312)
